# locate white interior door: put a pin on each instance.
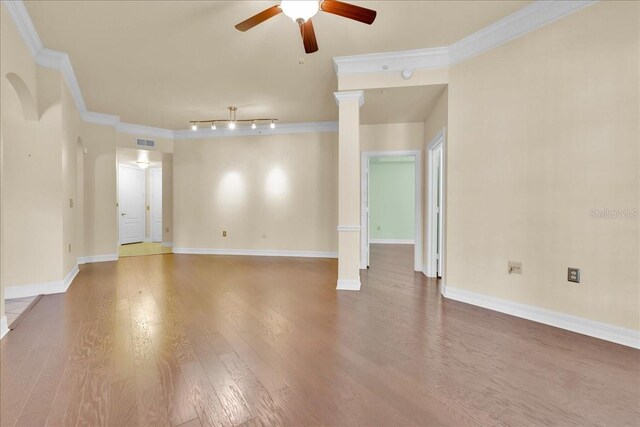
(131, 195)
(156, 205)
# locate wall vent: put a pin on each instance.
(145, 143)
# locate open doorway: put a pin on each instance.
(391, 204)
(140, 217)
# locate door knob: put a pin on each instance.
(122, 214)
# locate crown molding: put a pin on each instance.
(54, 59)
(50, 58)
(349, 94)
(523, 21)
(100, 118)
(280, 129)
(527, 19)
(436, 57)
(21, 17)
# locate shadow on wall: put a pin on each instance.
(28, 103)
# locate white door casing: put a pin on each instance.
(131, 204)
(434, 233)
(156, 204)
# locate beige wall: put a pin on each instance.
(100, 196)
(392, 136)
(268, 192)
(541, 131)
(167, 198)
(31, 168)
(437, 118)
(71, 209)
(206, 171)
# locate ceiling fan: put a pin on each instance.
(301, 11)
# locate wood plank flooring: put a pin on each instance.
(180, 340)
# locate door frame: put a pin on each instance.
(432, 262)
(364, 188)
(144, 211)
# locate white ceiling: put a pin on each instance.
(162, 63)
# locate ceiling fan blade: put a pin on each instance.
(259, 18)
(350, 11)
(308, 37)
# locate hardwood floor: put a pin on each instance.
(188, 340)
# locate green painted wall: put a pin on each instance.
(392, 198)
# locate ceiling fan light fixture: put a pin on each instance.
(300, 9)
(273, 124)
(232, 125)
(194, 127)
(213, 126)
(253, 125)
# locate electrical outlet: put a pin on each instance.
(69, 247)
(224, 233)
(70, 203)
(573, 275)
(514, 267)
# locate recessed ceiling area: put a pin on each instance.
(163, 63)
(399, 105)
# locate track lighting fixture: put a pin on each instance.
(232, 122)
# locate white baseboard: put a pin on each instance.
(4, 327)
(97, 258)
(55, 287)
(604, 331)
(167, 244)
(392, 241)
(255, 252)
(348, 285)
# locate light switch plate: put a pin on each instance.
(573, 275)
